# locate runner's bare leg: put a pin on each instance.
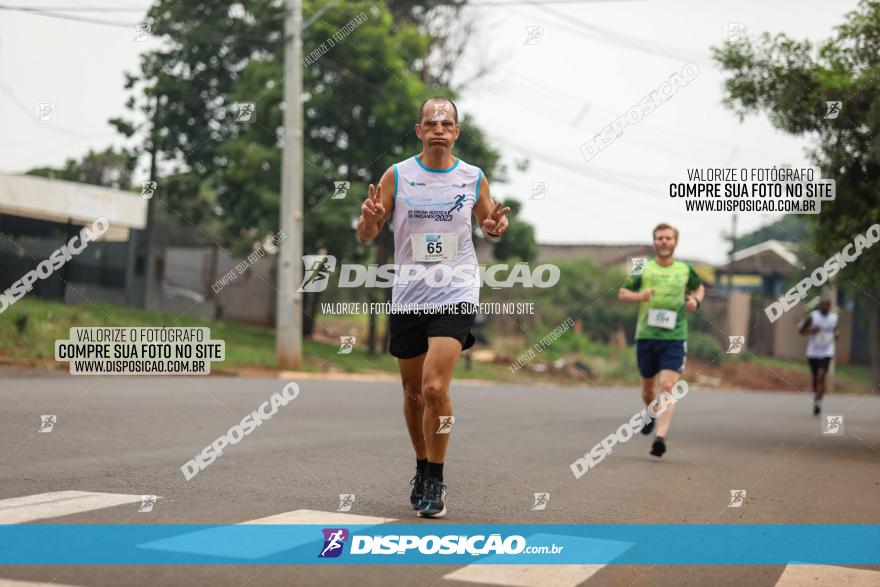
(413, 402)
(443, 352)
(668, 379)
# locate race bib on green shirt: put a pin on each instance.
(662, 318)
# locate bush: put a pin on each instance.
(588, 292)
(704, 346)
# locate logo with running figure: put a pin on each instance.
(341, 188)
(346, 345)
(541, 501)
(533, 35)
(46, 112)
(832, 425)
(457, 202)
(47, 423)
(346, 500)
(736, 344)
(446, 423)
(141, 32)
(334, 540)
(440, 112)
(637, 265)
(317, 270)
(736, 32)
(737, 497)
(148, 189)
(832, 109)
(540, 190)
(147, 503)
(245, 112)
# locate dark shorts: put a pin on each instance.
(816, 364)
(410, 331)
(654, 356)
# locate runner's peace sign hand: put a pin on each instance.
(496, 222)
(373, 210)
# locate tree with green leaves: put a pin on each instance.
(109, 168)
(360, 98)
(792, 81)
(361, 102)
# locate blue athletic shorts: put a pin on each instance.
(654, 356)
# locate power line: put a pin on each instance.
(592, 171)
(104, 9)
(51, 14)
(607, 35)
(4, 87)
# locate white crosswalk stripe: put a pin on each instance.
(796, 575)
(318, 517)
(542, 575)
(214, 542)
(41, 506)
(525, 575)
(14, 583)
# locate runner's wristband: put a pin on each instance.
(492, 238)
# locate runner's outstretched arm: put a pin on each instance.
(490, 216)
(377, 208)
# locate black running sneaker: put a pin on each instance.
(415, 498)
(659, 447)
(816, 409)
(433, 504)
(649, 427)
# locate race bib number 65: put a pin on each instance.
(433, 247)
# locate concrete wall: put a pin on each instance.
(745, 316)
(738, 314)
(248, 297)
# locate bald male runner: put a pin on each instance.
(430, 198)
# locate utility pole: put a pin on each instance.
(832, 295)
(730, 271)
(150, 285)
(288, 321)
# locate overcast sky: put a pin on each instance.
(589, 63)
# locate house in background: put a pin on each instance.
(760, 269)
(609, 255)
(38, 215)
(605, 255)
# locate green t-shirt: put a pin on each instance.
(670, 284)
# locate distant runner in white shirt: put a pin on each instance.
(821, 327)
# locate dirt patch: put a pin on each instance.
(755, 375)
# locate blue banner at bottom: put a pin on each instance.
(453, 544)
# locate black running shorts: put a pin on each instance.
(410, 331)
(816, 364)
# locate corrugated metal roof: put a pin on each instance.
(57, 200)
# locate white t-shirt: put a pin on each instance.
(432, 216)
(821, 344)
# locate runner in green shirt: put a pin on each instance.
(665, 288)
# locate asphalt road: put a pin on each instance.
(130, 435)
